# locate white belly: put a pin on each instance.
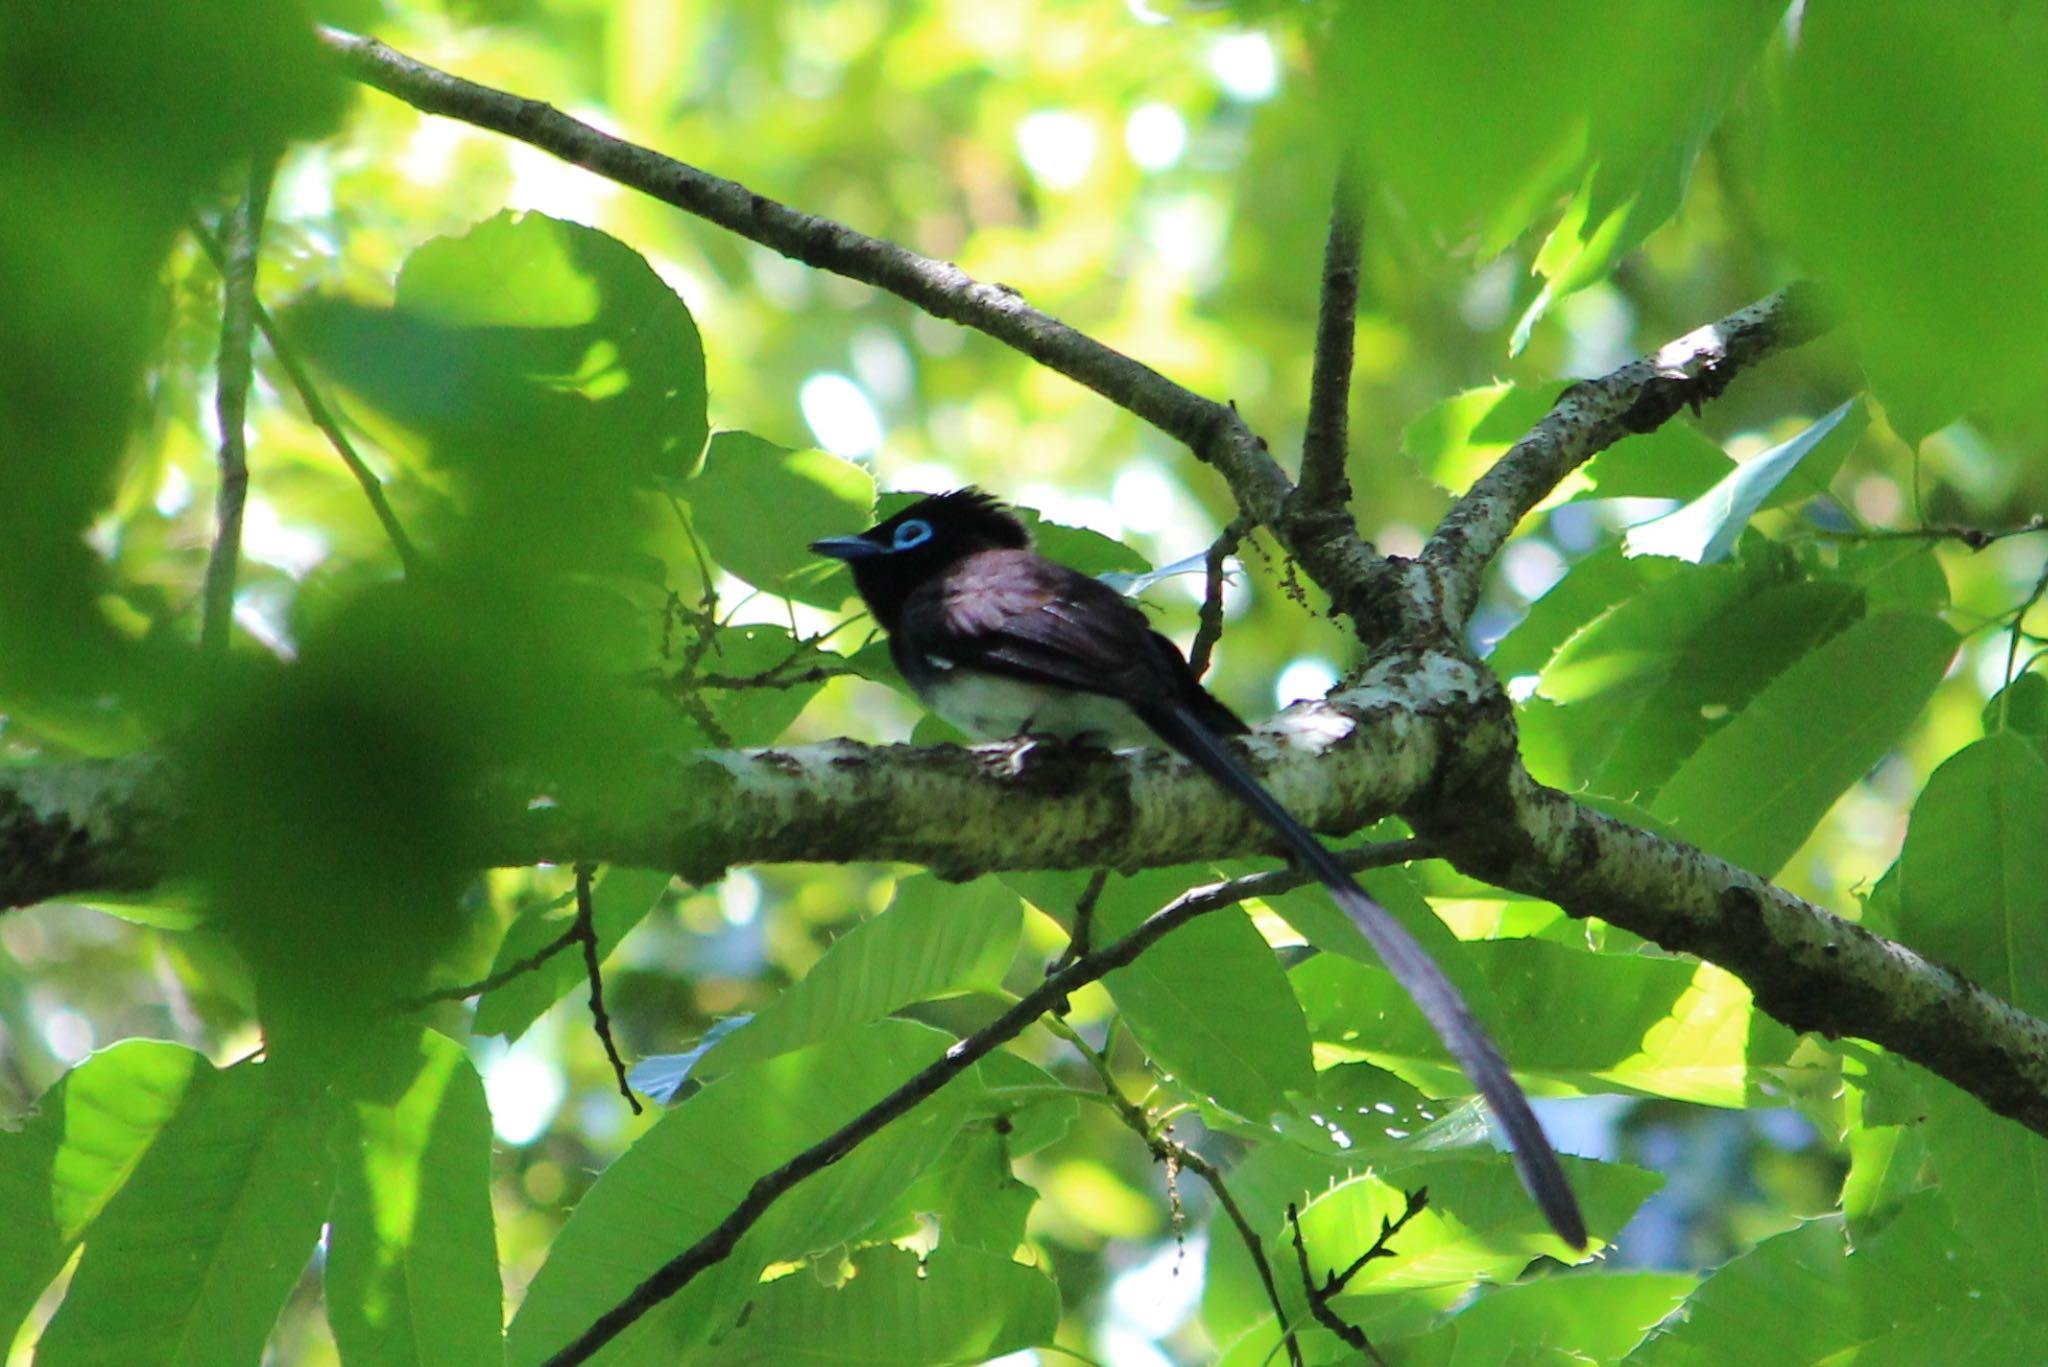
(994, 708)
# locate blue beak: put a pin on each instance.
(847, 548)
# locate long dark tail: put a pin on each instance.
(1439, 1001)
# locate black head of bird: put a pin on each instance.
(892, 558)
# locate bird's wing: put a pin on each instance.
(1017, 613)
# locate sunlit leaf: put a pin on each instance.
(758, 507)
(1973, 877)
(192, 1259)
(1754, 790)
(1209, 1003)
(1707, 529)
(696, 1164)
(958, 1305)
(412, 1268)
(74, 1153)
(1478, 1225)
(1600, 1315)
(935, 940)
(1906, 124)
(619, 900)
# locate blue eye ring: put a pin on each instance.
(912, 534)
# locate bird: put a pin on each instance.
(1004, 642)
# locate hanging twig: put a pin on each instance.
(244, 237)
(585, 931)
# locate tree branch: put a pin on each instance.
(1325, 445)
(1593, 415)
(1213, 431)
(1400, 741)
(231, 401)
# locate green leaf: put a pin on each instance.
(1572, 1015)
(1209, 1002)
(1756, 788)
(192, 1259)
(1609, 670)
(1793, 1286)
(1676, 460)
(1645, 138)
(1714, 1048)
(1707, 529)
(581, 313)
(1592, 1316)
(758, 507)
(619, 900)
(1086, 550)
(1906, 123)
(1479, 1223)
(750, 684)
(973, 1193)
(1310, 911)
(696, 1164)
(412, 1265)
(958, 1305)
(1459, 439)
(2021, 706)
(935, 940)
(1037, 1107)
(1593, 586)
(73, 1154)
(1973, 877)
(1477, 121)
(1483, 153)
(1910, 1295)
(545, 372)
(1885, 1165)
(1894, 575)
(1722, 668)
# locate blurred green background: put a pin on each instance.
(1549, 190)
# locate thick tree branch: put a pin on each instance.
(1591, 416)
(1806, 967)
(91, 826)
(1426, 737)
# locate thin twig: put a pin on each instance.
(585, 931)
(1208, 1172)
(1175, 1154)
(1332, 1286)
(1209, 624)
(464, 991)
(244, 233)
(1084, 922)
(1325, 445)
(1976, 538)
(1382, 1247)
(1353, 1336)
(717, 1243)
(322, 416)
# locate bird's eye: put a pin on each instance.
(912, 534)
